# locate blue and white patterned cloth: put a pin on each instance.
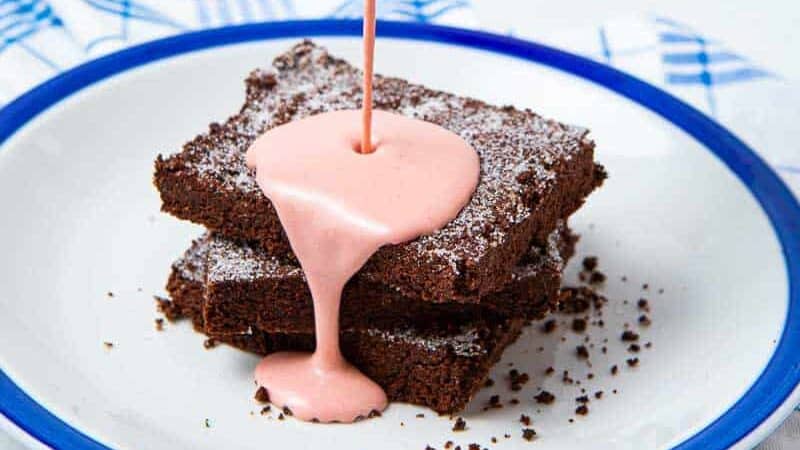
(40, 38)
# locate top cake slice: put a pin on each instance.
(534, 172)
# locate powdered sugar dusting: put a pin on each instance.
(465, 342)
(232, 261)
(192, 265)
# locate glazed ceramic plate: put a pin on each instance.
(688, 209)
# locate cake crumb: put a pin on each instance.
(517, 379)
(110, 294)
(420, 416)
(210, 343)
(582, 352)
(614, 369)
(525, 420)
(582, 410)
(545, 398)
(632, 362)
(448, 445)
(578, 325)
(488, 383)
(598, 395)
(629, 336)
(528, 434)
(549, 326)
(207, 423)
(460, 424)
(159, 323)
(265, 410)
(597, 278)
(262, 395)
(590, 263)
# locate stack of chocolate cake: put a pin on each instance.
(425, 319)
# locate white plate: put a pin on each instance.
(81, 218)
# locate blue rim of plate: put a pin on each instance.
(768, 393)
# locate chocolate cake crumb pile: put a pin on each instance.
(586, 304)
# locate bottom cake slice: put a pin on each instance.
(439, 366)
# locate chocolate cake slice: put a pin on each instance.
(246, 286)
(436, 365)
(534, 172)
